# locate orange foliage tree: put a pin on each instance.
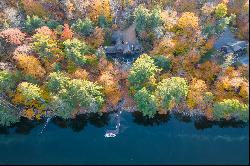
(66, 33)
(231, 84)
(30, 65)
(100, 7)
(97, 38)
(195, 98)
(208, 71)
(33, 7)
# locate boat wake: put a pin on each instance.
(47, 121)
(115, 132)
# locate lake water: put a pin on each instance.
(163, 140)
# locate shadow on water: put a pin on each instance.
(24, 127)
(81, 121)
(145, 121)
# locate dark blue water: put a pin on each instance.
(163, 140)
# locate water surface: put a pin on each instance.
(164, 140)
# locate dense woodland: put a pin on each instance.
(53, 64)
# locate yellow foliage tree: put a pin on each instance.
(195, 98)
(188, 20)
(231, 84)
(100, 7)
(111, 88)
(164, 47)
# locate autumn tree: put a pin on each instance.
(221, 10)
(44, 45)
(97, 38)
(30, 65)
(197, 94)
(32, 7)
(66, 33)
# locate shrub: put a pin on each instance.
(231, 108)
(171, 91)
(75, 50)
(143, 69)
(146, 102)
(162, 62)
(30, 65)
(32, 23)
(12, 36)
(85, 27)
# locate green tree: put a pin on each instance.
(231, 108)
(8, 115)
(155, 18)
(75, 50)
(8, 80)
(102, 21)
(146, 102)
(143, 69)
(57, 81)
(32, 23)
(141, 18)
(85, 27)
(74, 94)
(162, 62)
(171, 90)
